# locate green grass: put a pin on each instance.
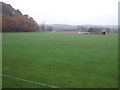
(0, 59)
(62, 60)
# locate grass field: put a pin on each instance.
(59, 59)
(0, 59)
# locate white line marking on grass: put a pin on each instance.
(30, 81)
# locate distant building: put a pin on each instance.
(68, 31)
(74, 31)
(79, 31)
(104, 32)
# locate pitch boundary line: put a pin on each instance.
(29, 81)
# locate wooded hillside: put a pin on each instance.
(14, 21)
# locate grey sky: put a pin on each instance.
(100, 12)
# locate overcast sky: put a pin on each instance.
(100, 12)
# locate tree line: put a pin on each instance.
(14, 21)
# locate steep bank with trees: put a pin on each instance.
(14, 21)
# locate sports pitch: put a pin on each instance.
(60, 60)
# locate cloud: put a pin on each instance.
(69, 11)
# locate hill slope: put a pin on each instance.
(14, 21)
